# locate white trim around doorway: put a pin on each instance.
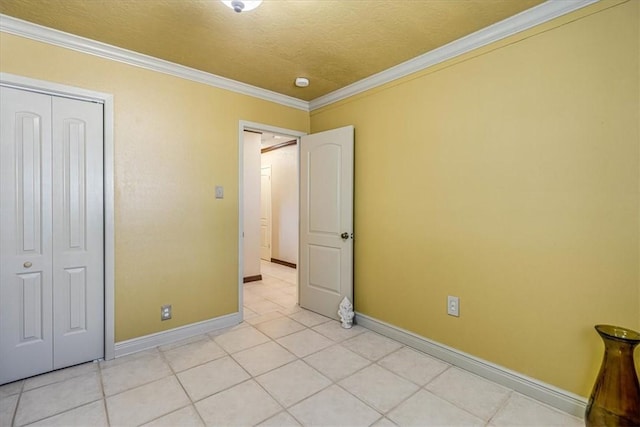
(50, 88)
(256, 127)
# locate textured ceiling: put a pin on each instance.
(332, 42)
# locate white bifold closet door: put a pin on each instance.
(51, 232)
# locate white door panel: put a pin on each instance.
(265, 213)
(78, 232)
(324, 189)
(326, 213)
(25, 234)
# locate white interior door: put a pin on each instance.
(26, 248)
(51, 255)
(78, 231)
(265, 213)
(325, 274)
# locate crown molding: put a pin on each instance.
(523, 21)
(537, 15)
(36, 32)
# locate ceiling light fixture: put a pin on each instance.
(302, 82)
(242, 5)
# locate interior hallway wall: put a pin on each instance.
(284, 202)
(251, 183)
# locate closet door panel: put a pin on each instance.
(78, 232)
(25, 234)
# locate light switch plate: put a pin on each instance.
(219, 192)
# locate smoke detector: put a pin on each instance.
(302, 82)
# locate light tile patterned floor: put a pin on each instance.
(281, 367)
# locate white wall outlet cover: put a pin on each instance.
(219, 192)
(453, 306)
(165, 312)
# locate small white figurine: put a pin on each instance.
(346, 313)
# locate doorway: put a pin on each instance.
(258, 228)
(279, 195)
(324, 184)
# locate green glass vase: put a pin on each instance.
(615, 399)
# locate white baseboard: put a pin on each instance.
(134, 345)
(553, 396)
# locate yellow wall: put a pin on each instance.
(174, 141)
(509, 178)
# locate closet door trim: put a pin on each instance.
(56, 89)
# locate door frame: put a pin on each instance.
(256, 127)
(56, 89)
(269, 226)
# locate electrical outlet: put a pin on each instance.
(453, 306)
(219, 192)
(165, 312)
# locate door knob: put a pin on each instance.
(344, 236)
(27, 264)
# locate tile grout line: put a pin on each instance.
(419, 387)
(55, 414)
(104, 396)
(297, 358)
(337, 384)
(301, 359)
(376, 362)
(333, 382)
(502, 405)
(15, 409)
(337, 381)
(175, 375)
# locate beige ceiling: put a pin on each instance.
(332, 42)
